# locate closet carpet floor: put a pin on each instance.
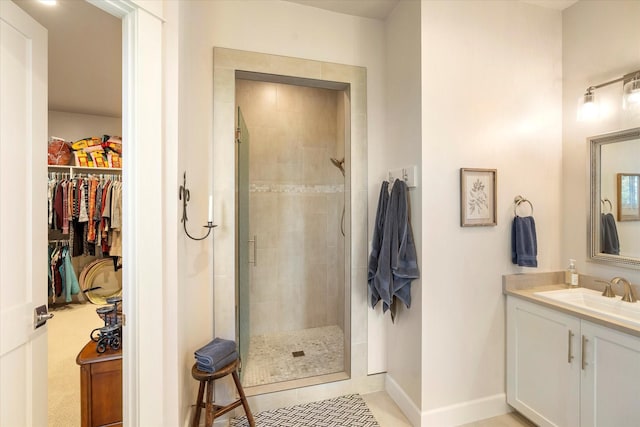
(68, 333)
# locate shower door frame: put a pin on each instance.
(243, 303)
(243, 213)
(352, 80)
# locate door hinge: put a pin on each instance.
(238, 135)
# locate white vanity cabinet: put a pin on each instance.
(610, 382)
(564, 371)
(543, 364)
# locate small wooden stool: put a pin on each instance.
(212, 410)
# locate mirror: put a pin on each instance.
(615, 198)
(628, 192)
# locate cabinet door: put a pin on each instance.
(610, 393)
(543, 364)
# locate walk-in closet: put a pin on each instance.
(85, 211)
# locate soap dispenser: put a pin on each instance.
(571, 275)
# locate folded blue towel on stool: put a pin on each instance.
(218, 365)
(216, 355)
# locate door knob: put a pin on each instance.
(40, 316)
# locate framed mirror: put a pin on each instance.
(614, 220)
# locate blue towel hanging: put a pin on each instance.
(524, 242)
(397, 261)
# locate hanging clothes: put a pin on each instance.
(63, 280)
(116, 219)
(84, 209)
(80, 210)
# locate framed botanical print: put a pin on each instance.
(478, 197)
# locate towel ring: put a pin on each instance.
(518, 201)
(602, 202)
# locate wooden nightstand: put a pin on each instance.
(101, 386)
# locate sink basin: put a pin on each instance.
(593, 302)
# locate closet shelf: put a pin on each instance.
(81, 169)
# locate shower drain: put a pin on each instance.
(298, 353)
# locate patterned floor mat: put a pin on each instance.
(344, 411)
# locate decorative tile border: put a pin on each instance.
(295, 188)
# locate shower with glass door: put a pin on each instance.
(290, 235)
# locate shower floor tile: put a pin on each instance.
(271, 358)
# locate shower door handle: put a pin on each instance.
(255, 250)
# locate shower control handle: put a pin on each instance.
(255, 250)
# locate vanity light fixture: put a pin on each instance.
(588, 108)
(185, 196)
(631, 91)
(49, 2)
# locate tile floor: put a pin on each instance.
(64, 409)
(388, 414)
(271, 359)
(512, 419)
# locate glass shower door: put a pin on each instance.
(243, 285)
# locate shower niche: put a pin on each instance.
(292, 217)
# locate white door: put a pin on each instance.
(610, 378)
(23, 206)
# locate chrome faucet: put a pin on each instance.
(629, 295)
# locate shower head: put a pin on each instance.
(339, 164)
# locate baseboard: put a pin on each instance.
(448, 416)
(404, 402)
(466, 412)
(221, 422)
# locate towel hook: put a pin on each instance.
(602, 202)
(518, 200)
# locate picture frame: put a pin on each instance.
(628, 196)
(478, 200)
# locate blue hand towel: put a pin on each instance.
(397, 263)
(376, 243)
(610, 244)
(219, 364)
(524, 242)
(405, 267)
(213, 355)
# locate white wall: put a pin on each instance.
(273, 27)
(491, 98)
(74, 126)
(403, 342)
(600, 43)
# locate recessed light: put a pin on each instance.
(49, 2)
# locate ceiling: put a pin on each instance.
(381, 9)
(552, 4)
(376, 9)
(85, 56)
(85, 48)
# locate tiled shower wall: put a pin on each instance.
(296, 199)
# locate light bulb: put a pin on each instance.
(631, 93)
(588, 108)
(49, 2)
